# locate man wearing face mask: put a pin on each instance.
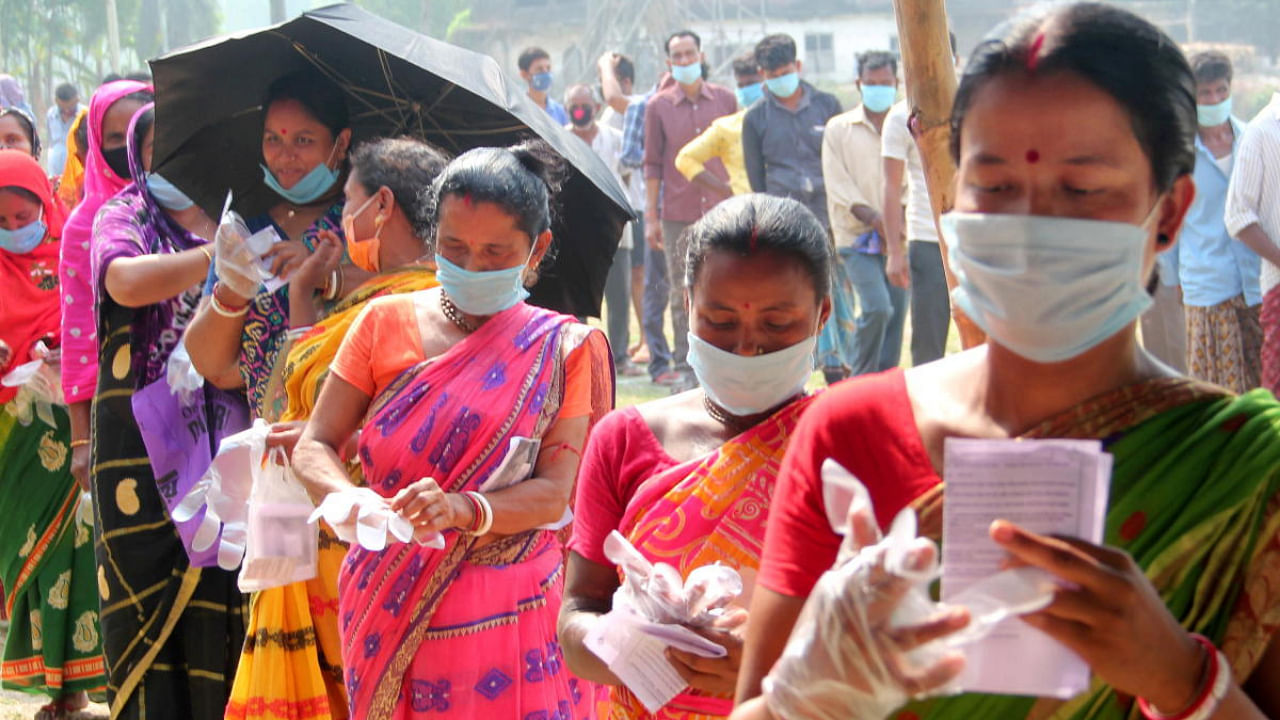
(607, 143)
(851, 169)
(673, 116)
(1253, 218)
(1219, 277)
(535, 69)
(782, 135)
(723, 139)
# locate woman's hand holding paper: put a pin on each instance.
(716, 676)
(1111, 616)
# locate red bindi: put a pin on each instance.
(284, 131)
(746, 306)
(1033, 53)
(1033, 156)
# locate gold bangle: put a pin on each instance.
(78, 443)
(208, 255)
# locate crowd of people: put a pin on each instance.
(1103, 186)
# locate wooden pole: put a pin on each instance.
(929, 67)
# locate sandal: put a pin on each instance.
(63, 708)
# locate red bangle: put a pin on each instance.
(475, 513)
(1150, 713)
(227, 305)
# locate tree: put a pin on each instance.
(430, 17)
(46, 42)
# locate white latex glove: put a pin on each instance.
(235, 262)
(182, 376)
(846, 658)
(360, 515)
(870, 638)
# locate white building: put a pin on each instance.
(828, 46)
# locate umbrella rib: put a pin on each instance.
(337, 78)
(423, 114)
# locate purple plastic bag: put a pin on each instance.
(181, 439)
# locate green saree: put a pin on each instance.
(1194, 501)
(53, 646)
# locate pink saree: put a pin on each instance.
(466, 631)
(712, 509)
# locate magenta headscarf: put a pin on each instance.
(79, 320)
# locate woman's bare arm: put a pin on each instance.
(588, 594)
(143, 280)
(772, 617)
(338, 412)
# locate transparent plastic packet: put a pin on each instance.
(281, 544)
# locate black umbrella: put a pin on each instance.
(209, 124)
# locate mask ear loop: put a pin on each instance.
(332, 150)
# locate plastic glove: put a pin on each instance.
(846, 657)
(84, 509)
(222, 494)
(235, 262)
(657, 593)
(182, 376)
(39, 387)
(360, 515)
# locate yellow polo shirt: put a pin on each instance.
(722, 140)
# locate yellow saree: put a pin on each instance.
(291, 666)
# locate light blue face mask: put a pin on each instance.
(541, 81)
(166, 193)
(879, 98)
(749, 385)
(26, 238)
(310, 188)
(749, 94)
(482, 293)
(784, 86)
(687, 74)
(1214, 115)
(1047, 288)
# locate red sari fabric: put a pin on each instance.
(434, 633)
(867, 425)
(1271, 341)
(29, 282)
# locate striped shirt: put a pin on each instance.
(1254, 193)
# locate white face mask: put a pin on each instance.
(1047, 288)
(748, 385)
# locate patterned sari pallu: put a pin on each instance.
(712, 509)
(467, 631)
(1195, 501)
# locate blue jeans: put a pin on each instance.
(657, 293)
(617, 300)
(930, 302)
(882, 306)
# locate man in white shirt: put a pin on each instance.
(1253, 218)
(851, 167)
(581, 106)
(59, 121)
(914, 257)
(617, 84)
